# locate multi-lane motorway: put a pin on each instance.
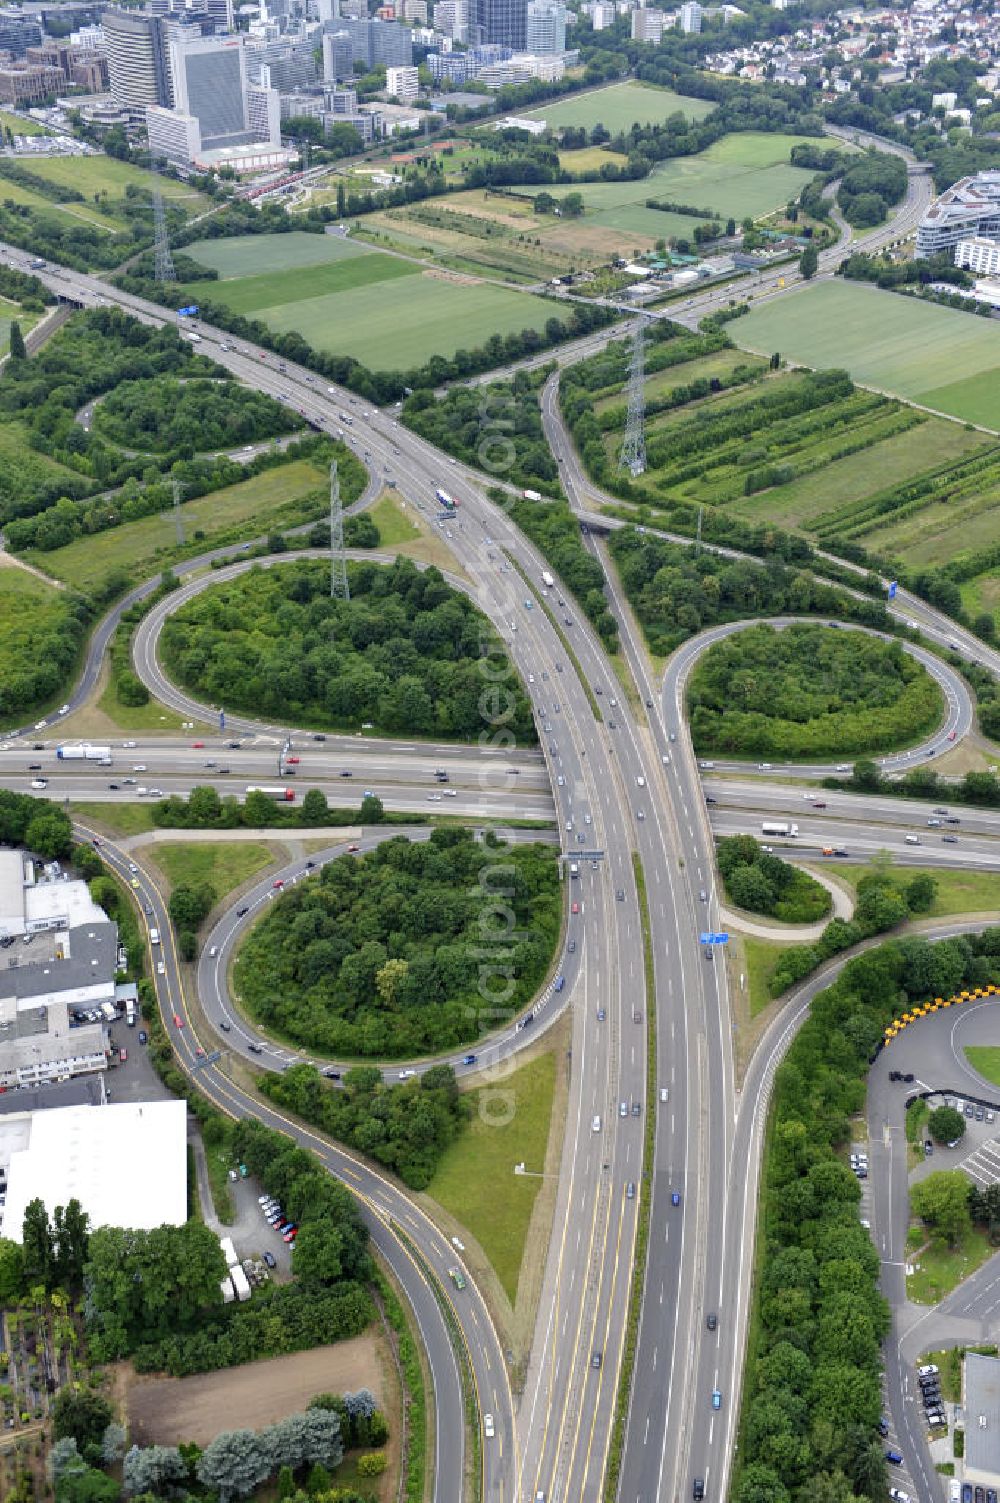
(630, 791)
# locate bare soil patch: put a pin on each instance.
(167, 1411)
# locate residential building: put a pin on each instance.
(173, 136)
(979, 255)
(503, 23)
(648, 25)
(89, 70)
(451, 19)
(291, 62)
(338, 56)
(126, 1164)
(691, 16)
(546, 26)
(138, 62)
(301, 106)
(29, 83)
(376, 41)
(402, 84)
(342, 103)
(413, 10)
(602, 15)
(969, 209)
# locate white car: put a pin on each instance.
(407, 1074)
(488, 1429)
(450, 793)
(929, 1371)
(129, 745)
(434, 798)
(39, 783)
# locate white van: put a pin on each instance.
(595, 1126)
(912, 839)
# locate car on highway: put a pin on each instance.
(712, 1321)
(623, 1109)
(457, 1277)
(278, 882)
(893, 1456)
(949, 840)
(630, 1190)
(242, 912)
(620, 894)
(602, 1015)
(352, 850)
(34, 766)
(716, 1399)
(488, 1427)
(596, 1358)
(39, 782)
(143, 1036)
(294, 760)
(197, 745)
(898, 1496)
(468, 1059)
(575, 908)
(178, 1020)
(698, 1489)
(675, 1197)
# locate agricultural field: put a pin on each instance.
(493, 234)
(143, 546)
(620, 106)
(805, 451)
(894, 343)
(105, 175)
(388, 313)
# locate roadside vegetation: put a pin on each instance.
(403, 654)
(677, 591)
(42, 632)
(496, 428)
(808, 692)
(981, 790)
(194, 415)
(554, 530)
(761, 882)
(381, 954)
(812, 1396)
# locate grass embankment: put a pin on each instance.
(939, 1270)
(613, 1474)
(120, 819)
(957, 891)
(416, 1414)
(393, 526)
(985, 1060)
(475, 1180)
(762, 958)
(223, 864)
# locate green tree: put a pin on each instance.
(942, 1201)
(50, 834)
(920, 893)
(36, 1245)
(17, 349)
(81, 1414)
(372, 810)
(945, 1124)
(808, 262)
(12, 1281)
(315, 809)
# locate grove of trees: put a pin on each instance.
(405, 652)
(382, 954)
(761, 882)
(806, 691)
(496, 428)
(813, 1381)
(192, 415)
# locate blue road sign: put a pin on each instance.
(713, 939)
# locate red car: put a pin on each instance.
(279, 882)
(951, 735)
(575, 908)
(200, 1052)
(123, 1055)
(818, 803)
(178, 1020)
(352, 850)
(293, 760)
(198, 745)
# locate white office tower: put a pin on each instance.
(217, 108)
(451, 19)
(602, 16)
(546, 27)
(338, 56)
(649, 25)
(327, 10)
(691, 16)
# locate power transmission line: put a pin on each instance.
(163, 260)
(633, 453)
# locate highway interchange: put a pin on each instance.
(642, 790)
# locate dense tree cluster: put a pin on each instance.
(980, 789)
(39, 647)
(884, 901)
(807, 691)
(761, 882)
(54, 1250)
(813, 1390)
(676, 591)
(144, 1285)
(869, 186)
(405, 652)
(496, 428)
(38, 824)
(893, 274)
(407, 1127)
(381, 954)
(167, 414)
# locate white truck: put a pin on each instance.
(154, 936)
(547, 579)
(130, 1011)
(574, 870)
(226, 1243)
(532, 496)
(227, 1290)
(240, 1283)
(82, 751)
(770, 827)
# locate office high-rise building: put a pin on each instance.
(138, 62)
(18, 33)
(338, 56)
(691, 16)
(210, 83)
(503, 23)
(546, 26)
(380, 42)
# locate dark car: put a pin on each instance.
(883, 1426)
(34, 766)
(698, 1490)
(143, 1036)
(317, 736)
(331, 1074)
(270, 1260)
(712, 1321)
(895, 1457)
(242, 912)
(469, 1059)
(966, 1492)
(709, 799)
(254, 1048)
(595, 1360)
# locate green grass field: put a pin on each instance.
(985, 1058)
(22, 126)
(762, 956)
(393, 526)
(223, 864)
(958, 891)
(939, 1270)
(101, 174)
(887, 341)
(27, 604)
(622, 105)
(143, 546)
(256, 255)
(248, 295)
(475, 1180)
(121, 819)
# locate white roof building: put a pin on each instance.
(126, 1164)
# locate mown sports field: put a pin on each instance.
(621, 106)
(388, 312)
(939, 357)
